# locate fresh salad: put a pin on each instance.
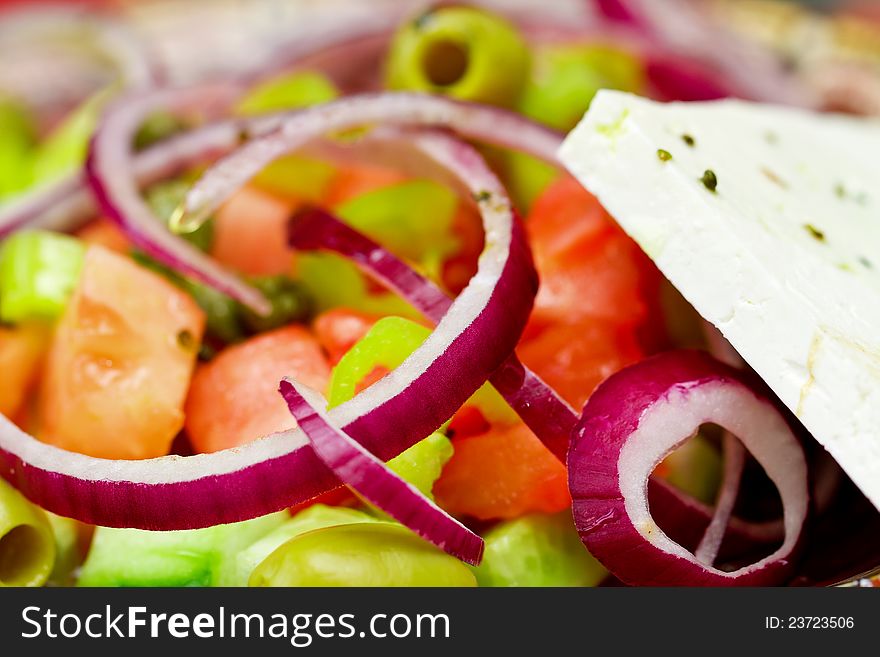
(341, 316)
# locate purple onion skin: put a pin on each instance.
(619, 11)
(379, 485)
(674, 78)
(247, 493)
(611, 415)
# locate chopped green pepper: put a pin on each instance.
(16, 149)
(301, 177)
(194, 557)
(537, 550)
(38, 272)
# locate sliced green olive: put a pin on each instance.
(462, 52)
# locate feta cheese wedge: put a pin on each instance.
(768, 221)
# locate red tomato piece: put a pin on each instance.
(104, 232)
(353, 180)
(234, 398)
(250, 233)
(589, 268)
(574, 359)
(22, 350)
(120, 362)
(504, 473)
(339, 329)
(460, 268)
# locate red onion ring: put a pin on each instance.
(734, 462)
(473, 121)
(549, 416)
(117, 194)
(480, 330)
(373, 480)
(67, 203)
(109, 157)
(630, 423)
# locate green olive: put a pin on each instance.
(462, 52)
(363, 554)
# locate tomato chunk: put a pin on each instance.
(589, 267)
(104, 233)
(504, 473)
(22, 350)
(234, 398)
(339, 329)
(353, 180)
(250, 233)
(120, 362)
(574, 359)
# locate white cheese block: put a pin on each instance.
(783, 256)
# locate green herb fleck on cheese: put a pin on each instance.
(664, 156)
(709, 180)
(817, 234)
(689, 140)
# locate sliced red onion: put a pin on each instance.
(478, 332)
(637, 417)
(64, 201)
(372, 479)
(548, 415)
(734, 462)
(68, 203)
(479, 122)
(108, 168)
(118, 195)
